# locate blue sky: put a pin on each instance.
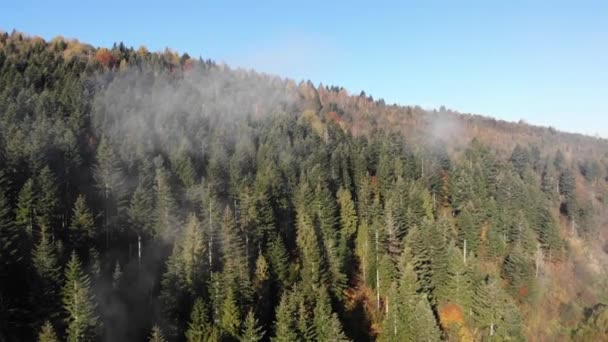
(544, 62)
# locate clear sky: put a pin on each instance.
(542, 61)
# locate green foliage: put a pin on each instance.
(79, 303)
(26, 207)
(82, 227)
(305, 208)
(156, 335)
(230, 320)
(47, 333)
(252, 332)
(199, 327)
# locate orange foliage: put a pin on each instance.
(451, 314)
(523, 292)
(105, 58)
(333, 116)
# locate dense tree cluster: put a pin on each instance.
(262, 219)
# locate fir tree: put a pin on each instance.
(156, 335)
(326, 323)
(47, 333)
(284, 322)
(26, 207)
(252, 332)
(46, 266)
(79, 303)
(198, 327)
(48, 203)
(82, 227)
(230, 320)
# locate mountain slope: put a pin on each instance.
(210, 203)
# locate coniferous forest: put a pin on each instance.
(152, 196)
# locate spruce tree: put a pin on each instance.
(47, 333)
(109, 180)
(47, 200)
(26, 207)
(9, 234)
(198, 327)
(156, 335)
(230, 320)
(426, 328)
(46, 266)
(79, 303)
(82, 227)
(252, 332)
(327, 325)
(284, 327)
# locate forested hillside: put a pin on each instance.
(153, 196)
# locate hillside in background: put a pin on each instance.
(151, 195)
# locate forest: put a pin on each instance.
(152, 196)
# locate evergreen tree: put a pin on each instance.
(109, 179)
(198, 327)
(141, 209)
(468, 230)
(26, 207)
(517, 269)
(48, 199)
(459, 285)
(47, 333)
(156, 335)
(426, 328)
(82, 227)
(9, 234)
(313, 267)
(230, 320)
(46, 266)
(252, 332)
(164, 219)
(116, 276)
(284, 321)
(326, 323)
(79, 303)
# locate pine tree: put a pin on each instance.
(79, 303)
(252, 332)
(156, 335)
(47, 333)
